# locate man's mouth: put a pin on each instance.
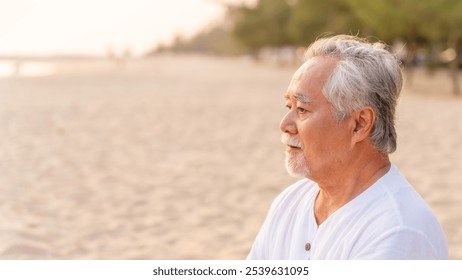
(291, 142)
(293, 147)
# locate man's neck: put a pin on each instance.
(334, 195)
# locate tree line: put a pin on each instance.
(432, 25)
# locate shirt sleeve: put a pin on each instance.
(257, 251)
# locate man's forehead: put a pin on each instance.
(305, 73)
(301, 71)
(299, 75)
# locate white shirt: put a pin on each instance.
(389, 220)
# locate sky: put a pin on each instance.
(96, 27)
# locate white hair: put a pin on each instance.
(367, 74)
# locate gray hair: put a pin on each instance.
(367, 74)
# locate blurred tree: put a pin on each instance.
(389, 19)
(311, 18)
(442, 22)
(262, 25)
(414, 21)
(393, 19)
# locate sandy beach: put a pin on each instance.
(179, 157)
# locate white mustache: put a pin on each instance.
(291, 141)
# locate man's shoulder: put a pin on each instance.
(398, 208)
(402, 197)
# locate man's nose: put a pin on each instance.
(287, 124)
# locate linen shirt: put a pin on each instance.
(389, 220)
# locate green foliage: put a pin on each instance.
(390, 19)
(442, 18)
(311, 18)
(277, 23)
(263, 25)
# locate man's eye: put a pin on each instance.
(301, 110)
(288, 107)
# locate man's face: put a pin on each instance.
(317, 144)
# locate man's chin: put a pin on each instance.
(296, 169)
(295, 174)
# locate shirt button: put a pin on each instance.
(307, 246)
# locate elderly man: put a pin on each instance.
(339, 130)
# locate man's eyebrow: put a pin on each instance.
(300, 97)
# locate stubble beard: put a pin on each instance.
(296, 164)
(295, 161)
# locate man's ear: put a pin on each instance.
(364, 120)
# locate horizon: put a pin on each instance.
(54, 28)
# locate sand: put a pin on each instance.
(178, 157)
